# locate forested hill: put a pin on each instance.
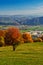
(20, 20)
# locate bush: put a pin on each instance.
(41, 37)
(37, 40)
(2, 43)
(1, 33)
(27, 37)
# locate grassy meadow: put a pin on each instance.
(28, 28)
(33, 28)
(25, 54)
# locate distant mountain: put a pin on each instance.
(20, 20)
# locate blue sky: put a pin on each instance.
(21, 7)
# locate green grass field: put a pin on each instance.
(33, 28)
(25, 54)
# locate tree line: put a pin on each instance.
(13, 36)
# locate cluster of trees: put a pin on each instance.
(12, 36)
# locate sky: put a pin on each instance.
(21, 7)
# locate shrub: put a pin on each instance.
(2, 43)
(37, 40)
(27, 37)
(1, 33)
(41, 37)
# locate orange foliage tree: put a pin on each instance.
(2, 43)
(27, 37)
(1, 33)
(12, 36)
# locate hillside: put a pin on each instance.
(20, 20)
(25, 54)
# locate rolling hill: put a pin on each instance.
(20, 20)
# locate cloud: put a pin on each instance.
(35, 11)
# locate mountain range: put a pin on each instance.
(20, 20)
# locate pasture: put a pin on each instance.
(25, 54)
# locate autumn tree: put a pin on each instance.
(27, 37)
(1, 33)
(12, 37)
(2, 43)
